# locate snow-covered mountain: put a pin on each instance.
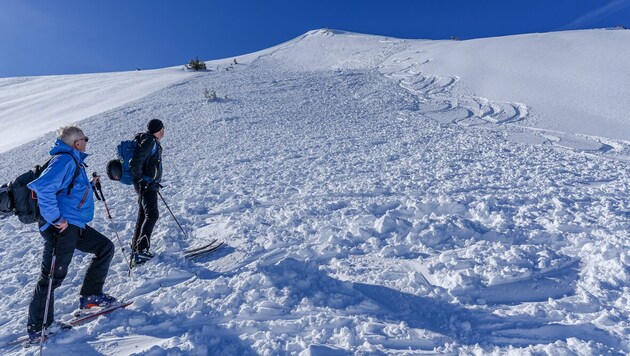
(376, 195)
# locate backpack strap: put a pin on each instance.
(77, 171)
(153, 151)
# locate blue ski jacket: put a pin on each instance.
(55, 204)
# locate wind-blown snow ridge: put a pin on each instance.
(370, 205)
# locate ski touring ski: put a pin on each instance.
(193, 250)
(25, 342)
(203, 250)
(79, 318)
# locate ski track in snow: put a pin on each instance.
(441, 100)
(367, 209)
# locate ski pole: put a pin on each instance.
(50, 283)
(97, 185)
(173, 215)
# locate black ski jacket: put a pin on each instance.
(146, 163)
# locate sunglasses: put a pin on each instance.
(82, 139)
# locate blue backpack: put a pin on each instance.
(125, 153)
(119, 169)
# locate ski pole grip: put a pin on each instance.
(97, 184)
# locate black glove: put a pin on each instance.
(141, 186)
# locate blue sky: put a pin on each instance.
(42, 37)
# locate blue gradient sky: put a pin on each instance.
(41, 37)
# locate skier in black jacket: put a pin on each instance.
(146, 167)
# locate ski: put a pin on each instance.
(84, 317)
(204, 251)
(75, 321)
(192, 250)
(24, 340)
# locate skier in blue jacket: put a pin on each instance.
(66, 206)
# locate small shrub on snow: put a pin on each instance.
(196, 64)
(210, 95)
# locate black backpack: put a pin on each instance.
(16, 198)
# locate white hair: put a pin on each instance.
(69, 134)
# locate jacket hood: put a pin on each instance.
(61, 147)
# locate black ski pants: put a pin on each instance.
(148, 215)
(86, 240)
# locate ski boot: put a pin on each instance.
(99, 300)
(140, 257)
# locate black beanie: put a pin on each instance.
(154, 126)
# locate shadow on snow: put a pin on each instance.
(463, 325)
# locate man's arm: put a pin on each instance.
(55, 177)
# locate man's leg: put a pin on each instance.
(92, 241)
(65, 244)
(151, 213)
(139, 222)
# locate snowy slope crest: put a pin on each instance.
(370, 205)
(328, 49)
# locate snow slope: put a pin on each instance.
(369, 205)
(33, 106)
(577, 81)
